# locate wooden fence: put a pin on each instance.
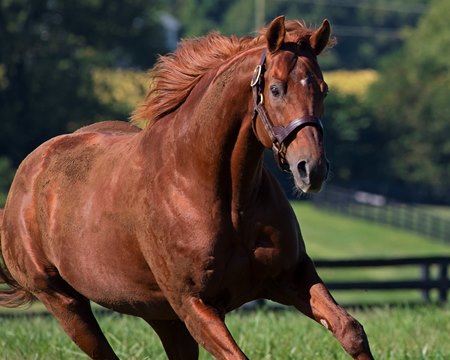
(427, 281)
(380, 209)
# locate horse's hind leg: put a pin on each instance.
(307, 293)
(176, 339)
(74, 314)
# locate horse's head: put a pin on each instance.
(288, 92)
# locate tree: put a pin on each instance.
(48, 50)
(6, 176)
(365, 30)
(411, 106)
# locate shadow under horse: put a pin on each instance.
(180, 223)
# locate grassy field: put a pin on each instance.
(398, 333)
(332, 236)
(394, 334)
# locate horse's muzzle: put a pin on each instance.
(309, 175)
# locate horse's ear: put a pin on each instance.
(320, 38)
(275, 34)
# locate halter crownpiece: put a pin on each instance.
(279, 135)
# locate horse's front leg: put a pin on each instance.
(208, 328)
(307, 292)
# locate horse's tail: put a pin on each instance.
(11, 293)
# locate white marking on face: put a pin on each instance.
(324, 323)
(304, 81)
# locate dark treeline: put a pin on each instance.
(395, 139)
(365, 29)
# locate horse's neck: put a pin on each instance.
(215, 136)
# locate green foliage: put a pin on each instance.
(351, 139)
(47, 52)
(198, 17)
(119, 91)
(410, 103)
(6, 176)
(365, 30)
(3, 80)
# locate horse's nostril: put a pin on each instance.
(303, 172)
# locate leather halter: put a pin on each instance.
(279, 135)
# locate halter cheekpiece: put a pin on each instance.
(280, 136)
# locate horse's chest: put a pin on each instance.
(251, 266)
(274, 250)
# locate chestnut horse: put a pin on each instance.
(180, 223)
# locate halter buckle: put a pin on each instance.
(256, 75)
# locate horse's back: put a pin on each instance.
(110, 127)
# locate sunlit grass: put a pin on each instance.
(394, 334)
(331, 235)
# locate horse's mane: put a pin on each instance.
(175, 75)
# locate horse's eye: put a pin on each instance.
(275, 90)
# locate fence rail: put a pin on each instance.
(427, 282)
(380, 209)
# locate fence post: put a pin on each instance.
(425, 279)
(443, 282)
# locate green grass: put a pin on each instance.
(394, 334)
(330, 235)
(333, 236)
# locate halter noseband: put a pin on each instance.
(279, 135)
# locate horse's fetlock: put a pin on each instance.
(357, 340)
(352, 336)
